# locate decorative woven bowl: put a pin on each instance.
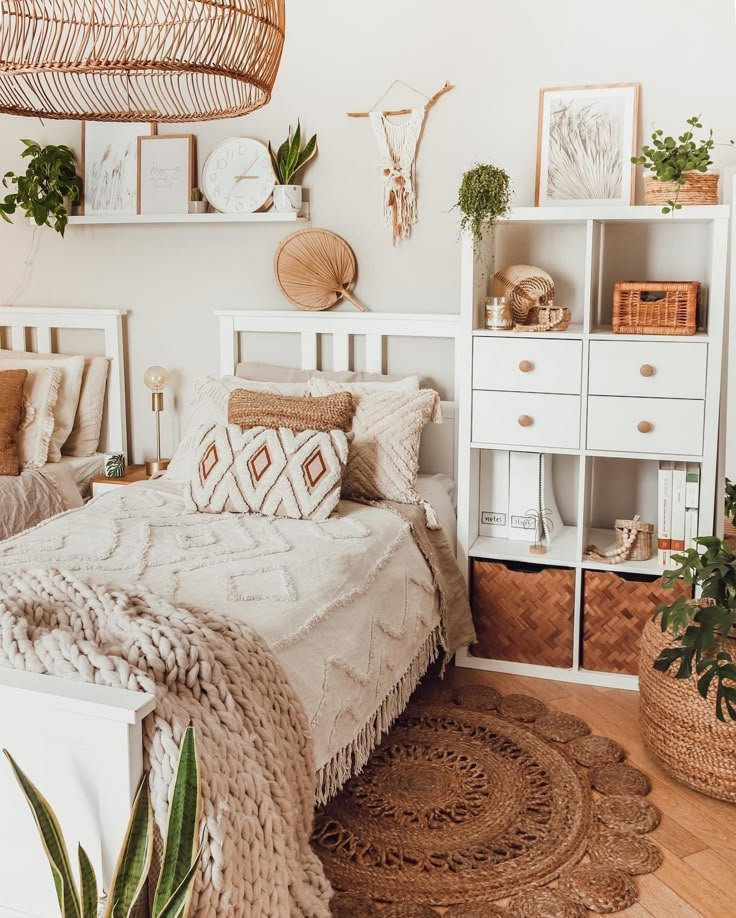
(699, 188)
(680, 727)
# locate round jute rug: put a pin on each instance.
(476, 801)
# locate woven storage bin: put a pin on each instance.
(615, 609)
(523, 612)
(673, 312)
(681, 729)
(699, 188)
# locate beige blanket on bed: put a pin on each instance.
(25, 501)
(258, 776)
(349, 606)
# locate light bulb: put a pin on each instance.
(156, 378)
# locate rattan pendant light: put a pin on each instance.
(139, 60)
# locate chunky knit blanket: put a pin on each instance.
(258, 773)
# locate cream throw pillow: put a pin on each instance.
(70, 385)
(37, 424)
(387, 431)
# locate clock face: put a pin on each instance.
(238, 176)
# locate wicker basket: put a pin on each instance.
(641, 550)
(546, 318)
(523, 612)
(699, 188)
(655, 308)
(615, 609)
(680, 727)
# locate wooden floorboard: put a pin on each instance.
(697, 834)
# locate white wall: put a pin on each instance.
(339, 56)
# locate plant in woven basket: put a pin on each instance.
(484, 196)
(668, 159)
(41, 193)
(291, 156)
(178, 864)
(701, 626)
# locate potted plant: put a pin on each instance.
(484, 196)
(290, 159)
(178, 864)
(197, 202)
(679, 169)
(687, 673)
(47, 190)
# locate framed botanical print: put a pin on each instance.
(166, 173)
(587, 136)
(110, 166)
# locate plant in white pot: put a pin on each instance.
(290, 159)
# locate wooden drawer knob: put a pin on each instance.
(526, 366)
(645, 427)
(647, 370)
(525, 421)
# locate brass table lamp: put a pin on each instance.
(157, 378)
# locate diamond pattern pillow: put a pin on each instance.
(387, 432)
(270, 472)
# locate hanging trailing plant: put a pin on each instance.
(484, 196)
(51, 177)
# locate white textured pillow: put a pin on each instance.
(387, 431)
(70, 383)
(209, 406)
(296, 474)
(36, 429)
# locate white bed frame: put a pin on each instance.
(82, 744)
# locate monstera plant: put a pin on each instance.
(179, 864)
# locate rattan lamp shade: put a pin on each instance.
(139, 60)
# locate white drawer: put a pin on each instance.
(516, 364)
(648, 368)
(526, 419)
(646, 425)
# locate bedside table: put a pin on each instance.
(101, 484)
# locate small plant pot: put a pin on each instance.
(699, 188)
(198, 207)
(287, 199)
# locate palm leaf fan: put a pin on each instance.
(315, 268)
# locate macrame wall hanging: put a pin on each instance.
(397, 146)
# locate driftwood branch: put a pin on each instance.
(407, 111)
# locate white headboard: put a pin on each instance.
(44, 320)
(439, 442)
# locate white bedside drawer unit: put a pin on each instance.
(527, 365)
(651, 369)
(645, 425)
(526, 419)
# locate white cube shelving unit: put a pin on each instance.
(585, 394)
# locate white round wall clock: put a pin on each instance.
(238, 176)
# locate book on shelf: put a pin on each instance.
(664, 513)
(692, 504)
(677, 529)
(691, 527)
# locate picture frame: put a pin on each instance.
(166, 173)
(586, 138)
(110, 166)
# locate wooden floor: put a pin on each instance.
(697, 835)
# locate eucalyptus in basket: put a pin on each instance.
(703, 626)
(179, 862)
(50, 180)
(484, 196)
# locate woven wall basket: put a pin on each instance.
(681, 729)
(699, 188)
(162, 60)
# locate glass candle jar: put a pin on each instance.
(498, 313)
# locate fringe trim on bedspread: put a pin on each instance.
(351, 758)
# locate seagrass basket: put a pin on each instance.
(655, 307)
(523, 612)
(680, 728)
(699, 188)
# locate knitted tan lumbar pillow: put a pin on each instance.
(260, 409)
(11, 413)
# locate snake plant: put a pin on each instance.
(179, 863)
(291, 158)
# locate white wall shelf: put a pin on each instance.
(587, 249)
(191, 219)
